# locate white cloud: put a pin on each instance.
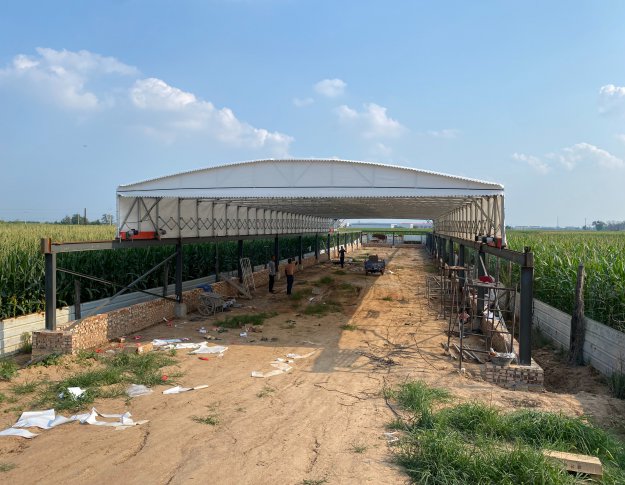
(82, 81)
(445, 133)
(571, 156)
(330, 87)
(380, 149)
(183, 113)
(61, 76)
(534, 162)
(301, 103)
(611, 98)
(620, 137)
(372, 121)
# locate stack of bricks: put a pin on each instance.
(518, 377)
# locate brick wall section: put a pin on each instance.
(99, 329)
(518, 377)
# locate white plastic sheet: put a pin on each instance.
(40, 419)
(136, 390)
(205, 349)
(179, 389)
(22, 433)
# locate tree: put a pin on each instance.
(107, 219)
(599, 225)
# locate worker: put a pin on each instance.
(342, 256)
(271, 266)
(289, 271)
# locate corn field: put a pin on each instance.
(556, 258)
(22, 285)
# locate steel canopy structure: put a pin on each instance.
(268, 197)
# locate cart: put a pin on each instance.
(374, 265)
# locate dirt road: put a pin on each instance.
(322, 422)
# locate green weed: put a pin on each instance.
(349, 326)
(212, 419)
(477, 443)
(26, 388)
(8, 369)
(239, 321)
(5, 467)
(321, 309)
(325, 280)
(265, 391)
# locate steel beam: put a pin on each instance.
(301, 249)
(316, 246)
(507, 254)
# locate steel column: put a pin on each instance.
(50, 260)
(179, 272)
(276, 252)
(301, 249)
(450, 257)
(316, 247)
(216, 261)
(240, 255)
(527, 302)
(461, 263)
(480, 290)
(328, 248)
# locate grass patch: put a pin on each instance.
(49, 360)
(239, 321)
(310, 481)
(211, 419)
(440, 446)
(340, 272)
(388, 298)
(109, 380)
(349, 326)
(3, 397)
(265, 391)
(321, 309)
(325, 280)
(26, 388)
(8, 369)
(616, 384)
(359, 448)
(26, 345)
(5, 467)
(299, 295)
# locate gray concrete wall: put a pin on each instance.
(604, 347)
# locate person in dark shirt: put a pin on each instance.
(342, 256)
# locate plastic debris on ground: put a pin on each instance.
(74, 393)
(179, 389)
(48, 419)
(136, 390)
(281, 365)
(205, 349)
(157, 342)
(22, 433)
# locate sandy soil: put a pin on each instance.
(324, 420)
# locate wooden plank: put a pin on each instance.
(590, 465)
(242, 290)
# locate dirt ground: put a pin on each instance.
(322, 422)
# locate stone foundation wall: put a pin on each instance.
(518, 377)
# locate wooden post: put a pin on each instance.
(578, 323)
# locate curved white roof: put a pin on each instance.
(322, 187)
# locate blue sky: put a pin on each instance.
(529, 94)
